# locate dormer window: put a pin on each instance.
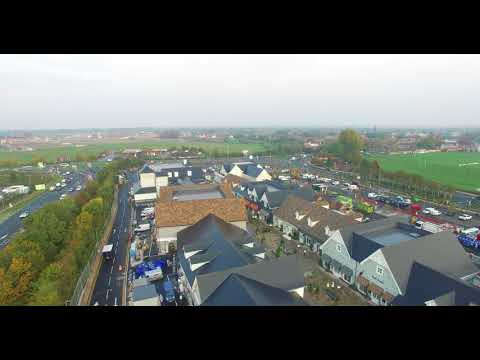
(299, 216)
(312, 223)
(175, 173)
(189, 173)
(169, 174)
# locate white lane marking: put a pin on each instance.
(106, 297)
(115, 251)
(114, 259)
(4, 236)
(114, 230)
(116, 301)
(109, 279)
(111, 269)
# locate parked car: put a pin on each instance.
(372, 195)
(23, 215)
(465, 217)
(335, 182)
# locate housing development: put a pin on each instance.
(338, 211)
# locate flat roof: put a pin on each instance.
(392, 236)
(201, 194)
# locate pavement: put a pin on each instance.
(108, 290)
(13, 224)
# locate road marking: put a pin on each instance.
(106, 297)
(4, 236)
(109, 279)
(115, 252)
(114, 259)
(114, 230)
(111, 269)
(116, 301)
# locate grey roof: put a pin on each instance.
(276, 198)
(425, 284)
(284, 273)
(253, 171)
(238, 290)
(347, 233)
(204, 257)
(440, 251)
(146, 169)
(196, 172)
(144, 292)
(146, 190)
(217, 239)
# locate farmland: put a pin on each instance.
(50, 154)
(459, 169)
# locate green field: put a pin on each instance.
(50, 154)
(444, 167)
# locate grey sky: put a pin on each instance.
(84, 91)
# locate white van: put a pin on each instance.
(470, 231)
(153, 275)
(142, 227)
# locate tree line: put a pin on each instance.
(41, 265)
(370, 171)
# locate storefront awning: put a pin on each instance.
(326, 259)
(347, 271)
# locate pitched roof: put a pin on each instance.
(234, 179)
(238, 290)
(219, 244)
(440, 251)
(146, 170)
(425, 284)
(183, 171)
(347, 232)
(315, 212)
(253, 171)
(283, 273)
(180, 213)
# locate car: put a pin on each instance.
(71, 190)
(23, 215)
(431, 211)
(63, 196)
(335, 182)
(372, 195)
(465, 217)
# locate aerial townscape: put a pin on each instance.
(235, 211)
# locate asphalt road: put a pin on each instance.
(13, 224)
(108, 288)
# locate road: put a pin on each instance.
(108, 288)
(13, 224)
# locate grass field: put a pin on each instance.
(51, 153)
(459, 169)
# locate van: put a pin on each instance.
(153, 275)
(142, 227)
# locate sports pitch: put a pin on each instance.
(459, 169)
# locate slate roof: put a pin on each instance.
(425, 284)
(253, 171)
(197, 172)
(316, 212)
(357, 246)
(146, 170)
(220, 243)
(440, 251)
(238, 290)
(167, 192)
(284, 273)
(276, 198)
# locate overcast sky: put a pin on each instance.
(100, 91)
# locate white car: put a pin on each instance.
(431, 211)
(63, 196)
(335, 182)
(465, 217)
(371, 195)
(23, 215)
